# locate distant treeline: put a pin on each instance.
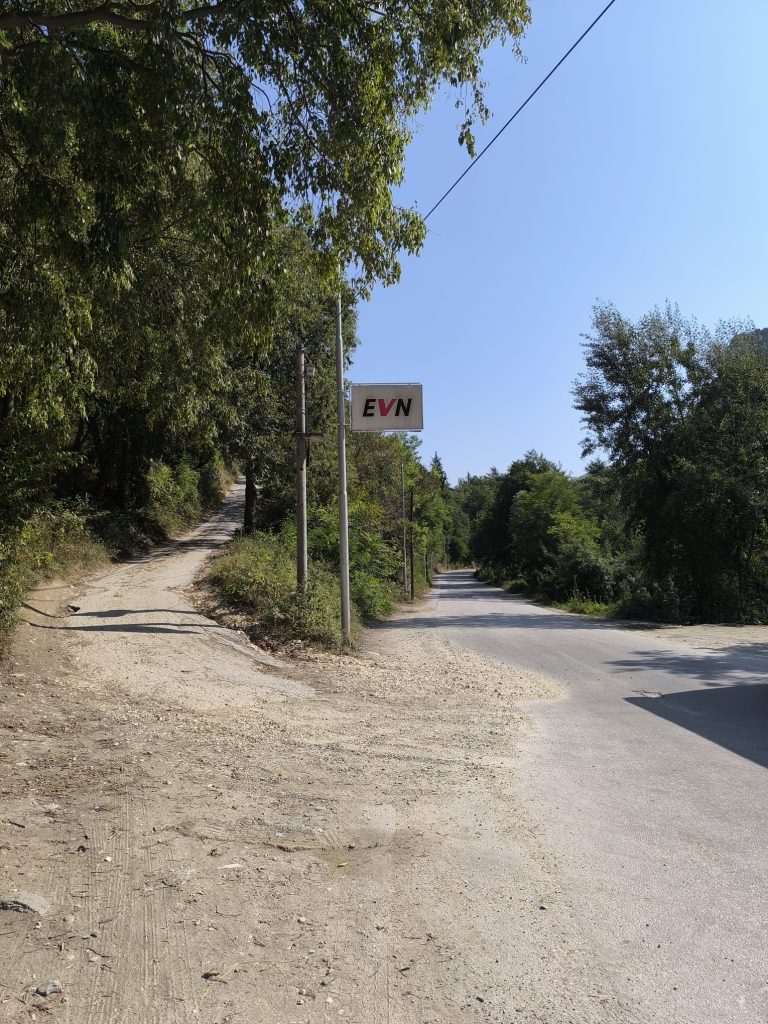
(670, 522)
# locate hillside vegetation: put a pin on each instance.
(184, 191)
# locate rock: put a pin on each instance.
(72, 608)
(49, 988)
(26, 903)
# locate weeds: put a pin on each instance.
(54, 541)
(259, 573)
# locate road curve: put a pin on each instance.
(648, 784)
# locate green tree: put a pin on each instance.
(549, 500)
(305, 103)
(682, 412)
(492, 543)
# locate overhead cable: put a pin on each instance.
(519, 110)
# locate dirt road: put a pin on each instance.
(204, 833)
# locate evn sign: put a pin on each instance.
(380, 407)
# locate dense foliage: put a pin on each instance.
(179, 186)
(258, 573)
(674, 524)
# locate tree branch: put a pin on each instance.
(102, 15)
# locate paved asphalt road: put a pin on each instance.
(649, 785)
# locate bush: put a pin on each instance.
(373, 598)
(173, 496)
(54, 541)
(586, 606)
(498, 576)
(214, 482)
(656, 602)
(259, 574)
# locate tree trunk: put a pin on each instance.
(7, 403)
(123, 477)
(249, 517)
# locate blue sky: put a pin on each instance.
(638, 174)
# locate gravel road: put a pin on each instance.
(648, 786)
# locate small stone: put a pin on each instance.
(25, 903)
(49, 988)
(301, 920)
(108, 860)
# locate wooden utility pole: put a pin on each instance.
(249, 515)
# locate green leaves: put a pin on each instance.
(683, 414)
(289, 102)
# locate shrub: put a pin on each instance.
(259, 573)
(586, 606)
(373, 598)
(214, 481)
(173, 497)
(54, 541)
(657, 602)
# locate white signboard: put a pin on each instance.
(380, 407)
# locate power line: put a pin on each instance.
(522, 107)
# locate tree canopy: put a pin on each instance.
(109, 108)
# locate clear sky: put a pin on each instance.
(638, 174)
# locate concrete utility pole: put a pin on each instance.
(301, 473)
(405, 526)
(410, 552)
(341, 412)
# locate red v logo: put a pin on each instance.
(384, 407)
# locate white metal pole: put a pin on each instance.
(341, 413)
(301, 474)
(405, 527)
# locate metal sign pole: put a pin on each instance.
(301, 474)
(346, 627)
(405, 527)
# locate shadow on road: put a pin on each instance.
(134, 627)
(734, 716)
(730, 708)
